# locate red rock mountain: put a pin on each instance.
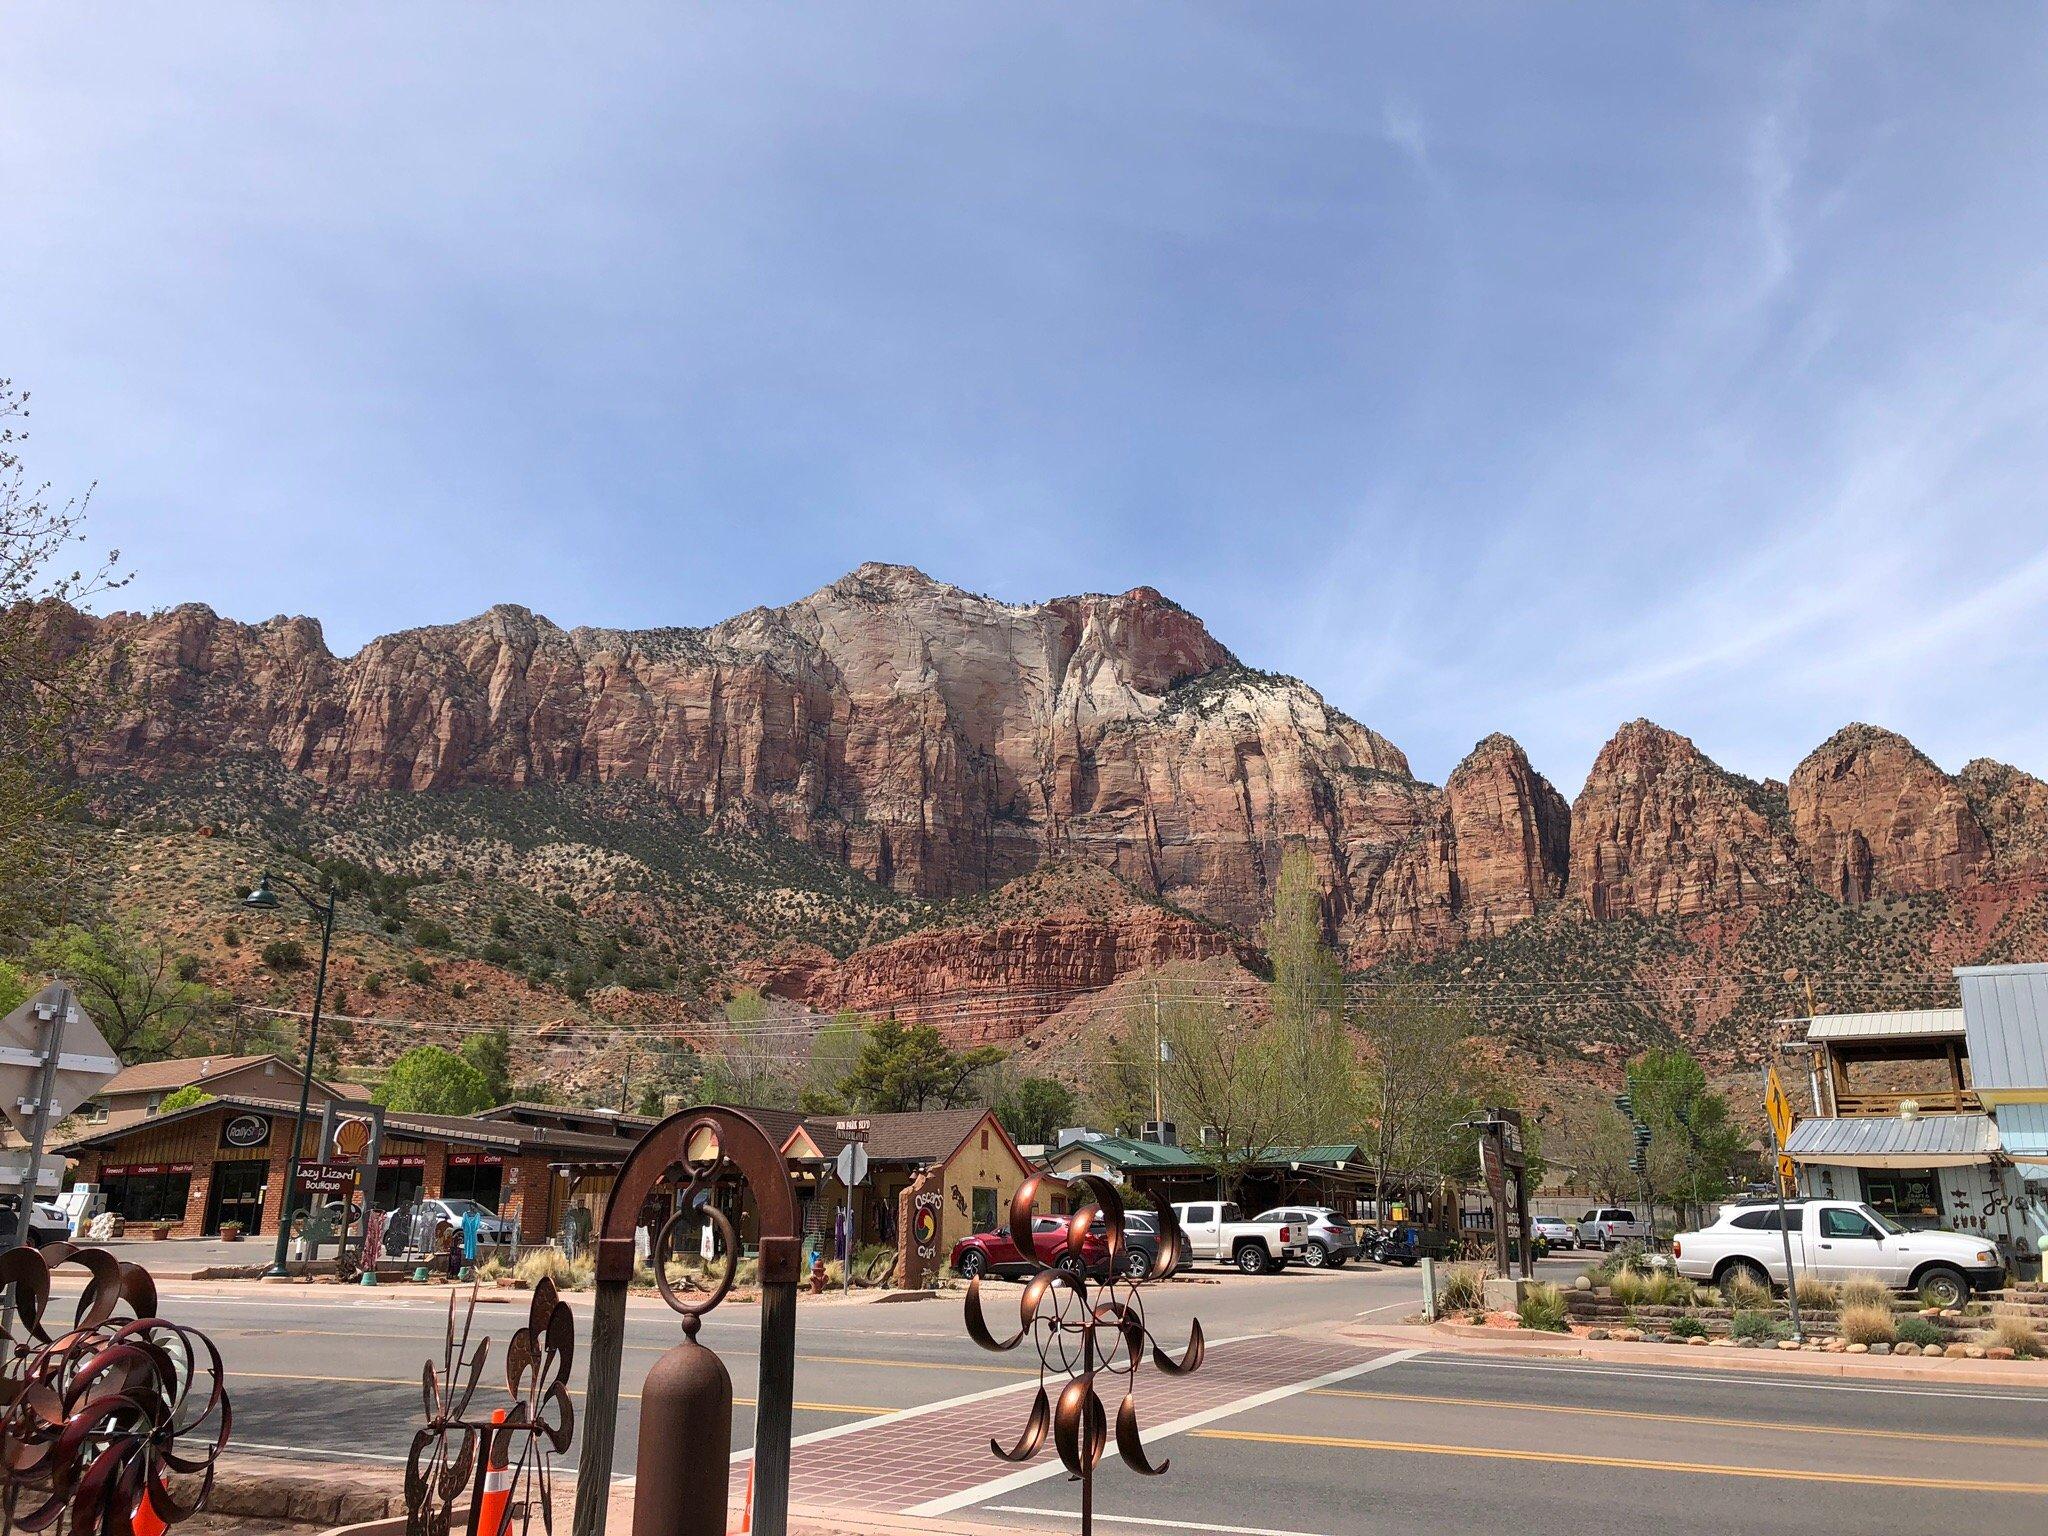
(943, 743)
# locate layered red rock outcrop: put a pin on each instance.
(1872, 815)
(1661, 830)
(937, 741)
(992, 983)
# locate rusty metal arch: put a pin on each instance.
(673, 1143)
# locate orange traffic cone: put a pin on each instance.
(495, 1510)
(147, 1521)
(747, 1514)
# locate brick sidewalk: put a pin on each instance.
(933, 1455)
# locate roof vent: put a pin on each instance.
(1160, 1133)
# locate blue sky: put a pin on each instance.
(1491, 368)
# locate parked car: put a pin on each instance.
(1555, 1231)
(992, 1253)
(1327, 1241)
(1217, 1231)
(46, 1224)
(1611, 1227)
(492, 1231)
(1832, 1240)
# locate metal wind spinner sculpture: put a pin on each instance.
(96, 1422)
(1085, 1330)
(504, 1459)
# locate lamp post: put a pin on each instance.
(263, 898)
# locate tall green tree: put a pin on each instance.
(1033, 1109)
(428, 1080)
(834, 1053)
(1698, 1156)
(1426, 1077)
(37, 692)
(909, 1066)
(490, 1053)
(131, 987)
(1228, 1084)
(1307, 998)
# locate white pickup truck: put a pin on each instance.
(1611, 1227)
(1834, 1239)
(1217, 1231)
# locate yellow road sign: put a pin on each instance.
(1777, 1106)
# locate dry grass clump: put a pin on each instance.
(1463, 1289)
(1744, 1291)
(552, 1264)
(1865, 1291)
(1659, 1288)
(2017, 1335)
(1816, 1292)
(1866, 1322)
(1543, 1308)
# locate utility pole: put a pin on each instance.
(1158, 1054)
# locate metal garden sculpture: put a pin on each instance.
(505, 1460)
(96, 1422)
(1087, 1332)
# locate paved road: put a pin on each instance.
(1285, 1430)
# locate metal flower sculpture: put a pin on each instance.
(96, 1422)
(1087, 1331)
(506, 1459)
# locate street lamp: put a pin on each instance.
(264, 899)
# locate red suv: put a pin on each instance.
(992, 1253)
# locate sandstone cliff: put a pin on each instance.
(942, 743)
(1871, 814)
(1660, 830)
(936, 741)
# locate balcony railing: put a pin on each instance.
(1961, 1101)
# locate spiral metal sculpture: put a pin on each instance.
(505, 1458)
(1087, 1332)
(97, 1421)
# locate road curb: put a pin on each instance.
(1465, 1338)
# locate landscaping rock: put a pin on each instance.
(1880, 1348)
(2000, 1352)
(1974, 1351)
(1905, 1349)
(1858, 1349)
(1582, 1284)
(1788, 1344)
(1956, 1351)
(1597, 1333)
(1697, 1342)
(1722, 1343)
(1629, 1335)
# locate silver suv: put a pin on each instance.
(1328, 1240)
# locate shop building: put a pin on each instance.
(226, 1159)
(1936, 1117)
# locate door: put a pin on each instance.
(237, 1195)
(1846, 1242)
(1204, 1234)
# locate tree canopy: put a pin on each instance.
(132, 988)
(183, 1098)
(908, 1066)
(1033, 1109)
(428, 1080)
(490, 1053)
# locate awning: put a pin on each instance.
(2023, 1136)
(1931, 1141)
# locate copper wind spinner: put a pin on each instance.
(1088, 1332)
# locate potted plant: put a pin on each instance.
(159, 1230)
(231, 1231)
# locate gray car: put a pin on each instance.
(1327, 1238)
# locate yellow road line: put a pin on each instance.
(861, 1409)
(1771, 1426)
(1630, 1463)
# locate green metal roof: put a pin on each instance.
(1126, 1152)
(1330, 1155)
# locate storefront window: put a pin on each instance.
(480, 1182)
(153, 1194)
(1913, 1198)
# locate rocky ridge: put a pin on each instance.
(941, 743)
